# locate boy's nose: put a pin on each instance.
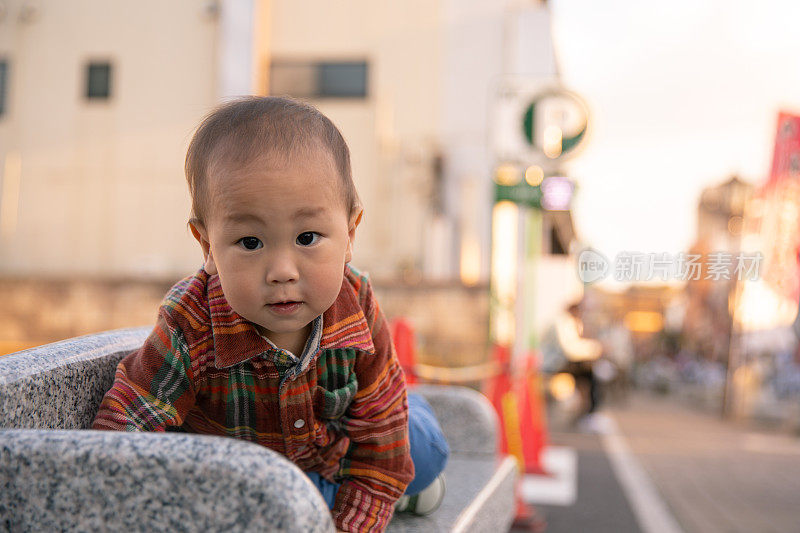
(282, 269)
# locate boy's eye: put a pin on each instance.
(307, 238)
(249, 243)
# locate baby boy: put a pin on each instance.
(277, 339)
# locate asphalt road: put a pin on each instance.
(655, 464)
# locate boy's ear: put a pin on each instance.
(200, 233)
(355, 220)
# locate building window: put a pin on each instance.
(98, 80)
(556, 246)
(320, 79)
(3, 85)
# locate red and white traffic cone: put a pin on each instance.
(533, 417)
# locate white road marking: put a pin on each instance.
(650, 510)
(560, 486)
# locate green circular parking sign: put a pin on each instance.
(555, 122)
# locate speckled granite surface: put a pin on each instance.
(480, 485)
(466, 416)
(110, 481)
(479, 497)
(60, 385)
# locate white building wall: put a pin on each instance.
(235, 50)
(393, 132)
(101, 183)
(473, 48)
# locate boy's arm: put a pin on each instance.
(377, 467)
(153, 386)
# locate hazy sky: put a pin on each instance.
(683, 93)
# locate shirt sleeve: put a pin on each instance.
(377, 467)
(152, 386)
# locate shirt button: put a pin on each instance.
(299, 423)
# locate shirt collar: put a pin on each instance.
(309, 350)
(236, 339)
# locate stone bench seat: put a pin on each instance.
(57, 475)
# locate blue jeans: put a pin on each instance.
(429, 451)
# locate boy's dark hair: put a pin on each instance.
(252, 128)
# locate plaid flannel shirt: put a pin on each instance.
(341, 411)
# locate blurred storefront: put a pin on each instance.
(727, 342)
(764, 376)
(708, 326)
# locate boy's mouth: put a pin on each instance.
(284, 308)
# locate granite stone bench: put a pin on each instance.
(57, 475)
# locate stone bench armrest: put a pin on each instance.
(59, 480)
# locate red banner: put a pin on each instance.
(786, 157)
(780, 226)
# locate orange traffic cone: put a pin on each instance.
(498, 390)
(505, 399)
(405, 346)
(533, 417)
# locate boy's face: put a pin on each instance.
(279, 238)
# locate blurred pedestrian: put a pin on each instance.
(618, 351)
(565, 349)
